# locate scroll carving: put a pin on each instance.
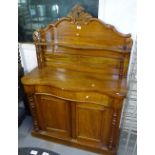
(37, 39)
(36, 36)
(79, 16)
(33, 109)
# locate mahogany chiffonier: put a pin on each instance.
(76, 93)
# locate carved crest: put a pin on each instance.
(36, 36)
(79, 16)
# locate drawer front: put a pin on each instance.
(67, 95)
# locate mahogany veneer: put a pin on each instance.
(76, 93)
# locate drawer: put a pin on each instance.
(91, 97)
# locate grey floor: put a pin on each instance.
(26, 140)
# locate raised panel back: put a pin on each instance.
(83, 43)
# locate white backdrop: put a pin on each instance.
(120, 13)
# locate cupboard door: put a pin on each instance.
(93, 123)
(53, 115)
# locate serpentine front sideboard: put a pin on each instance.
(76, 93)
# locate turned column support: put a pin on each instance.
(33, 112)
(30, 96)
(117, 104)
(39, 49)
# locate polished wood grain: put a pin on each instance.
(76, 93)
(69, 42)
(54, 115)
(70, 80)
